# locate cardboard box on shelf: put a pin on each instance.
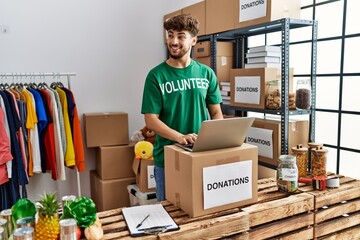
(266, 134)
(250, 13)
(144, 171)
(167, 16)
(220, 15)
(248, 86)
(106, 129)
(223, 66)
(197, 10)
(223, 48)
(206, 182)
(109, 194)
(114, 162)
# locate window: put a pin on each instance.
(337, 81)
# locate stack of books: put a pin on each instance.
(263, 56)
(225, 92)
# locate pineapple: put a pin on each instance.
(47, 226)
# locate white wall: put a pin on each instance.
(111, 45)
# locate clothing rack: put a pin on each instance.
(43, 75)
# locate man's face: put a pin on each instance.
(179, 43)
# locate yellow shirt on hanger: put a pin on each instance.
(70, 153)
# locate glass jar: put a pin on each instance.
(4, 225)
(68, 229)
(303, 94)
(318, 163)
(25, 233)
(301, 158)
(287, 174)
(273, 94)
(6, 214)
(312, 145)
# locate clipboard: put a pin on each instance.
(148, 219)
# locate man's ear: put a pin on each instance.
(194, 41)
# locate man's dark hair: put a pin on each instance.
(183, 22)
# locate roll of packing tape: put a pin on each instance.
(333, 183)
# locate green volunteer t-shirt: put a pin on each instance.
(180, 96)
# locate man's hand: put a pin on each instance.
(187, 139)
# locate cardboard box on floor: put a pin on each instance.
(109, 194)
(144, 171)
(255, 12)
(115, 162)
(266, 134)
(206, 182)
(106, 129)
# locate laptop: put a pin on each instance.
(220, 133)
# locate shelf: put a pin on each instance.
(273, 26)
(268, 111)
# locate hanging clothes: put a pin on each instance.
(6, 125)
(40, 132)
(5, 152)
(69, 153)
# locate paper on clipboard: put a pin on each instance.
(155, 216)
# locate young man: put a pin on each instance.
(179, 94)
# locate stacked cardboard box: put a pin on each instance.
(224, 57)
(109, 134)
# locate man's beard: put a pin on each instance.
(182, 52)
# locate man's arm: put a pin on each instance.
(154, 123)
(215, 111)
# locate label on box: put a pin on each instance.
(227, 183)
(151, 177)
(251, 9)
(263, 139)
(247, 89)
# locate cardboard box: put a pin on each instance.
(109, 194)
(144, 171)
(193, 180)
(223, 48)
(167, 16)
(223, 66)
(248, 86)
(106, 129)
(266, 134)
(115, 162)
(265, 172)
(251, 13)
(220, 15)
(197, 10)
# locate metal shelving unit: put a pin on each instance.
(284, 25)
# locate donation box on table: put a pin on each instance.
(201, 183)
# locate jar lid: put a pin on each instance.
(303, 80)
(273, 82)
(299, 149)
(320, 150)
(287, 158)
(314, 144)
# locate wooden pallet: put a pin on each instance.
(279, 215)
(337, 211)
(213, 226)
